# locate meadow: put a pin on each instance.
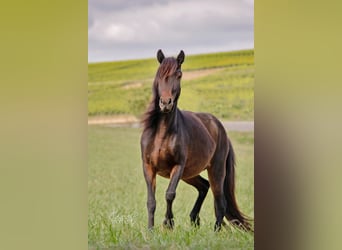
(117, 198)
(218, 83)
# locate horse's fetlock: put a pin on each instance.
(170, 196)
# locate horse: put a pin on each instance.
(179, 145)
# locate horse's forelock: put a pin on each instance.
(168, 67)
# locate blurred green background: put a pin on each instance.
(218, 83)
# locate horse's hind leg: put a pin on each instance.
(216, 180)
(202, 186)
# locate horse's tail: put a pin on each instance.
(233, 213)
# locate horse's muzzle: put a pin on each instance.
(165, 104)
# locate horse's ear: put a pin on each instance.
(180, 57)
(160, 56)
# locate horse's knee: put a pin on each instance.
(170, 196)
(151, 206)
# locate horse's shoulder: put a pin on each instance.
(146, 138)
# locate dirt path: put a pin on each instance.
(132, 121)
(194, 74)
(118, 119)
(242, 126)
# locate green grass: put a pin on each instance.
(117, 198)
(227, 93)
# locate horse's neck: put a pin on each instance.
(168, 123)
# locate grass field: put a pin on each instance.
(117, 198)
(227, 91)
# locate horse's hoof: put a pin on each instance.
(217, 227)
(169, 223)
(195, 221)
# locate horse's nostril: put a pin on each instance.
(165, 101)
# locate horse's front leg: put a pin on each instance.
(150, 177)
(175, 176)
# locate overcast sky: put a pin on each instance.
(129, 29)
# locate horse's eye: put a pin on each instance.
(179, 74)
(175, 89)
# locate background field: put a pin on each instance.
(219, 83)
(117, 197)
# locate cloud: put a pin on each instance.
(136, 29)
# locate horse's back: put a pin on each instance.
(213, 126)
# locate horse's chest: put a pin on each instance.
(162, 155)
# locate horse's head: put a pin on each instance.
(167, 82)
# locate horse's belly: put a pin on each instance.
(194, 164)
(199, 158)
(196, 157)
(192, 171)
(164, 170)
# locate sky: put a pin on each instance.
(134, 29)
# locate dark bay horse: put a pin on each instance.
(179, 145)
